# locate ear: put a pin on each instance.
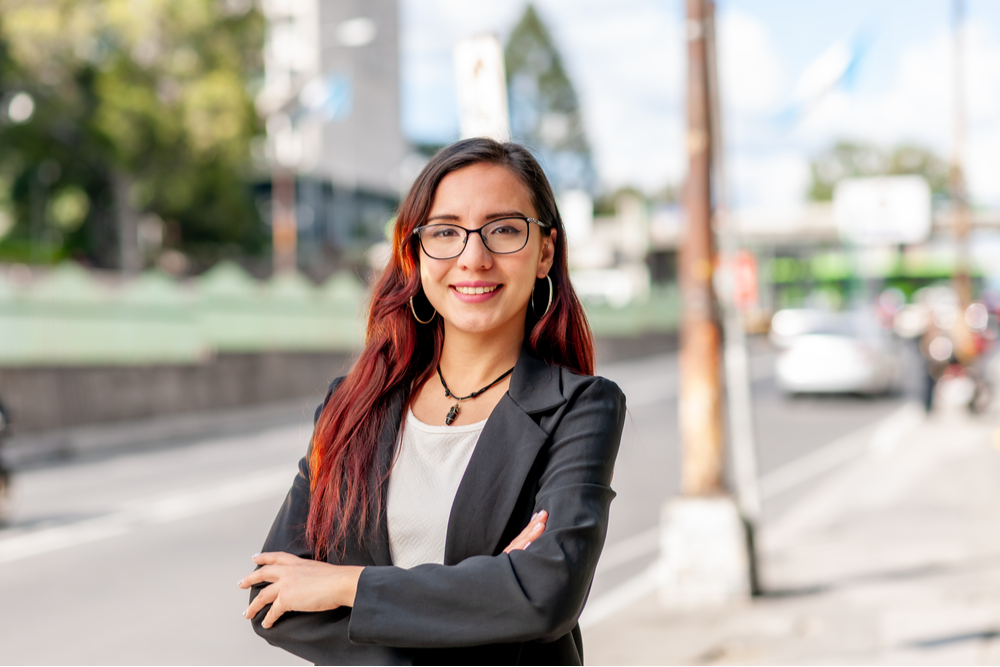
(548, 254)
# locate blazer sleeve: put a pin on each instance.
(534, 594)
(313, 636)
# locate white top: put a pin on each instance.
(424, 479)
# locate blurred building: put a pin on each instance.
(331, 103)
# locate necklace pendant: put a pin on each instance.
(451, 415)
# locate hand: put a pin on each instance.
(299, 584)
(531, 532)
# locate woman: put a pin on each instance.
(454, 501)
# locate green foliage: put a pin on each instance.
(68, 208)
(849, 160)
(156, 95)
(545, 111)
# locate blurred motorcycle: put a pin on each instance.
(964, 386)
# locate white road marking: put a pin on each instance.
(884, 436)
(880, 440)
(607, 605)
(150, 511)
(661, 384)
(630, 549)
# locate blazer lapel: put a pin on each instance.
(503, 458)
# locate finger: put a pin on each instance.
(264, 598)
(534, 528)
(268, 573)
(273, 557)
(274, 613)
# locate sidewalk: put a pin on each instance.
(895, 559)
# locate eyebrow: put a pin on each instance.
(491, 216)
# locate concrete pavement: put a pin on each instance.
(893, 559)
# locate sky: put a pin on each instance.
(626, 59)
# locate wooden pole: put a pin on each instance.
(700, 385)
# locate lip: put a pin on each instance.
(474, 283)
(475, 298)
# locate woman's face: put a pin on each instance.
(471, 197)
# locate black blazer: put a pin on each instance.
(550, 444)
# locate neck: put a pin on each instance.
(471, 361)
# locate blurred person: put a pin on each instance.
(952, 345)
(454, 500)
(4, 470)
(938, 352)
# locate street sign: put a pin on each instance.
(883, 210)
(744, 268)
(482, 88)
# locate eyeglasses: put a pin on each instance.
(501, 237)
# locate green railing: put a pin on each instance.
(72, 316)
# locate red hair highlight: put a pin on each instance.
(344, 457)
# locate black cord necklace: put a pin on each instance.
(458, 399)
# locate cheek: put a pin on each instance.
(431, 276)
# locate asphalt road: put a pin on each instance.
(134, 557)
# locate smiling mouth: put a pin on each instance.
(475, 290)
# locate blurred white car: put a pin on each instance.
(837, 353)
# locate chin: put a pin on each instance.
(474, 325)
(478, 322)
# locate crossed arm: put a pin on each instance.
(301, 584)
(522, 594)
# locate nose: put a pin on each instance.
(475, 255)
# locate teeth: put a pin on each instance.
(476, 290)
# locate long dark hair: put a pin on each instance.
(399, 352)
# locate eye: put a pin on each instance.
(505, 229)
(443, 232)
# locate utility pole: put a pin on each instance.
(700, 382)
(956, 184)
(704, 559)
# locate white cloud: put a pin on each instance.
(750, 72)
(775, 179)
(918, 107)
(626, 62)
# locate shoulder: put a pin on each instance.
(592, 394)
(543, 387)
(574, 384)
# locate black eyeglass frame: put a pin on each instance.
(479, 230)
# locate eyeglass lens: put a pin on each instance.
(499, 236)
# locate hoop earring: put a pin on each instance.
(547, 305)
(414, 311)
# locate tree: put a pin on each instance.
(142, 109)
(846, 160)
(544, 110)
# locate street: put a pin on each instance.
(134, 558)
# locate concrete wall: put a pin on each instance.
(53, 397)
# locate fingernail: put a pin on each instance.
(239, 583)
(534, 516)
(254, 556)
(537, 528)
(246, 612)
(527, 545)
